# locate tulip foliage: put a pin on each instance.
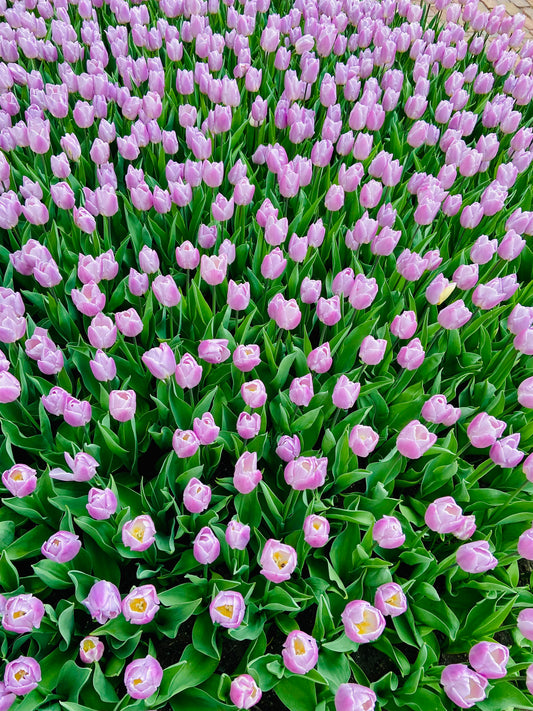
(266, 327)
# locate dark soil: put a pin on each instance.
(374, 663)
(526, 568)
(169, 651)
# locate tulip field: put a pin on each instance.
(266, 339)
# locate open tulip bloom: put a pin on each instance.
(266, 330)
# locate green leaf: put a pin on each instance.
(9, 577)
(204, 636)
(71, 680)
(54, 575)
(297, 693)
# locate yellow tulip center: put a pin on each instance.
(138, 532)
(280, 559)
(299, 646)
(17, 475)
(367, 625)
(21, 674)
(226, 610)
(19, 613)
(138, 604)
(88, 644)
(137, 681)
(394, 600)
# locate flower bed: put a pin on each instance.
(266, 318)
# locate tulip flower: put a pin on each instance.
(103, 601)
(237, 535)
(22, 613)
(415, 440)
(277, 561)
(91, 649)
(61, 547)
(353, 697)
(196, 496)
(489, 659)
(141, 605)
(227, 609)
(206, 547)
(122, 404)
(362, 622)
(387, 532)
(246, 476)
(20, 480)
(390, 599)
(138, 534)
(142, 677)
(300, 652)
(22, 676)
(463, 686)
(316, 531)
(101, 503)
(475, 557)
(244, 692)
(306, 473)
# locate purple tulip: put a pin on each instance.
(484, 430)
(316, 530)
(91, 650)
(160, 361)
(475, 557)
(463, 686)
(205, 428)
(504, 452)
(387, 532)
(206, 548)
(244, 692)
(246, 475)
(300, 652)
(372, 350)
(237, 535)
(306, 472)
(362, 622)
(345, 393)
(22, 613)
(21, 676)
(61, 547)
(188, 371)
(354, 697)
(138, 534)
(319, 359)
(415, 440)
(277, 561)
(122, 404)
(196, 496)
(363, 440)
(489, 659)
(390, 599)
(404, 325)
(20, 480)
(103, 367)
(412, 355)
(142, 677)
(166, 291)
(227, 609)
(288, 448)
(101, 503)
(214, 350)
(140, 606)
(248, 426)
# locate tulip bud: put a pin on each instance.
(390, 599)
(387, 532)
(244, 692)
(227, 609)
(300, 652)
(362, 622)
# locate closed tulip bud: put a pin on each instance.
(288, 448)
(89, 300)
(77, 413)
(354, 697)
(504, 452)
(411, 265)
(187, 256)
(143, 677)
(329, 310)
(22, 613)
(343, 282)
(412, 355)
(306, 473)
(489, 659)
(316, 233)
(345, 393)
(444, 515)
(439, 290)
(520, 319)
(454, 316)
(246, 475)
(414, 440)
(238, 295)
(61, 547)
(310, 290)
(213, 269)
(101, 503)
(475, 557)
(140, 606)
(139, 533)
(466, 276)
(21, 676)
(196, 496)
(363, 440)
(91, 650)
(138, 283)
(160, 361)
(463, 686)
(122, 404)
(248, 426)
(387, 532)
(524, 341)
(525, 393)
(277, 561)
(10, 387)
(301, 390)
(362, 622)
(244, 692)
(246, 358)
(188, 372)
(237, 535)
(484, 430)
(185, 443)
(214, 350)
(273, 264)
(316, 531)
(129, 322)
(205, 428)
(363, 292)
(435, 409)
(206, 548)
(103, 601)
(54, 402)
(102, 332)
(319, 359)
(372, 350)
(483, 249)
(166, 291)
(404, 325)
